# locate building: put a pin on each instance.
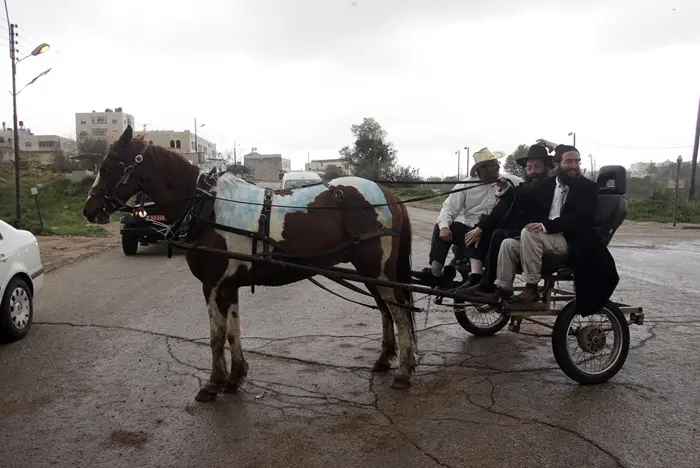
(107, 125)
(184, 143)
(266, 167)
(320, 165)
(43, 149)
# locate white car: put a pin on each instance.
(21, 279)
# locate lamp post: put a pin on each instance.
(574, 135)
(459, 157)
(40, 49)
(196, 145)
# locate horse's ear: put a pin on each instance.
(125, 139)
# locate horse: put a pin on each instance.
(310, 222)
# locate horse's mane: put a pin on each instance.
(168, 159)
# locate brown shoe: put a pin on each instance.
(530, 294)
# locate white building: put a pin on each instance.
(320, 165)
(107, 125)
(184, 143)
(266, 167)
(40, 148)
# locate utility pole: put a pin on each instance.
(693, 165)
(467, 148)
(458, 164)
(196, 146)
(13, 56)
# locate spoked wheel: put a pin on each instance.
(481, 320)
(591, 350)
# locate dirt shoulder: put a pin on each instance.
(57, 251)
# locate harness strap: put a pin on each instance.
(263, 232)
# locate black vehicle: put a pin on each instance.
(145, 225)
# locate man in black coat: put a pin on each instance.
(562, 210)
(509, 216)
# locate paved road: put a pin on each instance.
(108, 375)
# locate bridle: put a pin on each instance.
(108, 195)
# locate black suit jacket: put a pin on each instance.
(578, 211)
(595, 272)
(513, 211)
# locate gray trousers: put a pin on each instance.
(528, 252)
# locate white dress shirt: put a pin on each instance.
(473, 202)
(560, 193)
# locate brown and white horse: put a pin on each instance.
(171, 181)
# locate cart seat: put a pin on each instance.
(612, 203)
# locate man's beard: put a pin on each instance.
(535, 177)
(568, 177)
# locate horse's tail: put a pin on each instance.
(403, 265)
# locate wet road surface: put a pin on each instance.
(107, 377)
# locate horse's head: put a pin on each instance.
(119, 178)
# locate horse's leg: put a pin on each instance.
(403, 319)
(239, 366)
(217, 337)
(382, 364)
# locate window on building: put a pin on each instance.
(114, 121)
(28, 144)
(177, 144)
(99, 132)
(172, 143)
(101, 120)
(47, 144)
(83, 122)
(193, 146)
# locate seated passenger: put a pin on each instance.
(509, 216)
(563, 208)
(447, 232)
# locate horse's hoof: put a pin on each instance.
(401, 382)
(205, 394)
(381, 367)
(231, 387)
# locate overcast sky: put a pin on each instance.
(292, 76)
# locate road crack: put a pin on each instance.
(528, 420)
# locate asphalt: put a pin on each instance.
(108, 374)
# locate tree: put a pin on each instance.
(332, 172)
(371, 157)
(239, 170)
(512, 167)
(93, 150)
(404, 174)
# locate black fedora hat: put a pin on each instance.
(535, 152)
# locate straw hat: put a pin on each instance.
(483, 156)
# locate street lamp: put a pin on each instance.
(459, 157)
(40, 49)
(196, 145)
(574, 135)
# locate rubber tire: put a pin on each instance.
(561, 354)
(468, 325)
(130, 244)
(8, 332)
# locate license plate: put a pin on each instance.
(156, 217)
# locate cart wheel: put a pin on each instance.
(130, 244)
(481, 320)
(590, 350)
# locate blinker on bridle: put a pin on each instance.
(126, 174)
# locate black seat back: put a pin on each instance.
(612, 202)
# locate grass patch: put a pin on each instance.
(60, 200)
(407, 193)
(661, 211)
